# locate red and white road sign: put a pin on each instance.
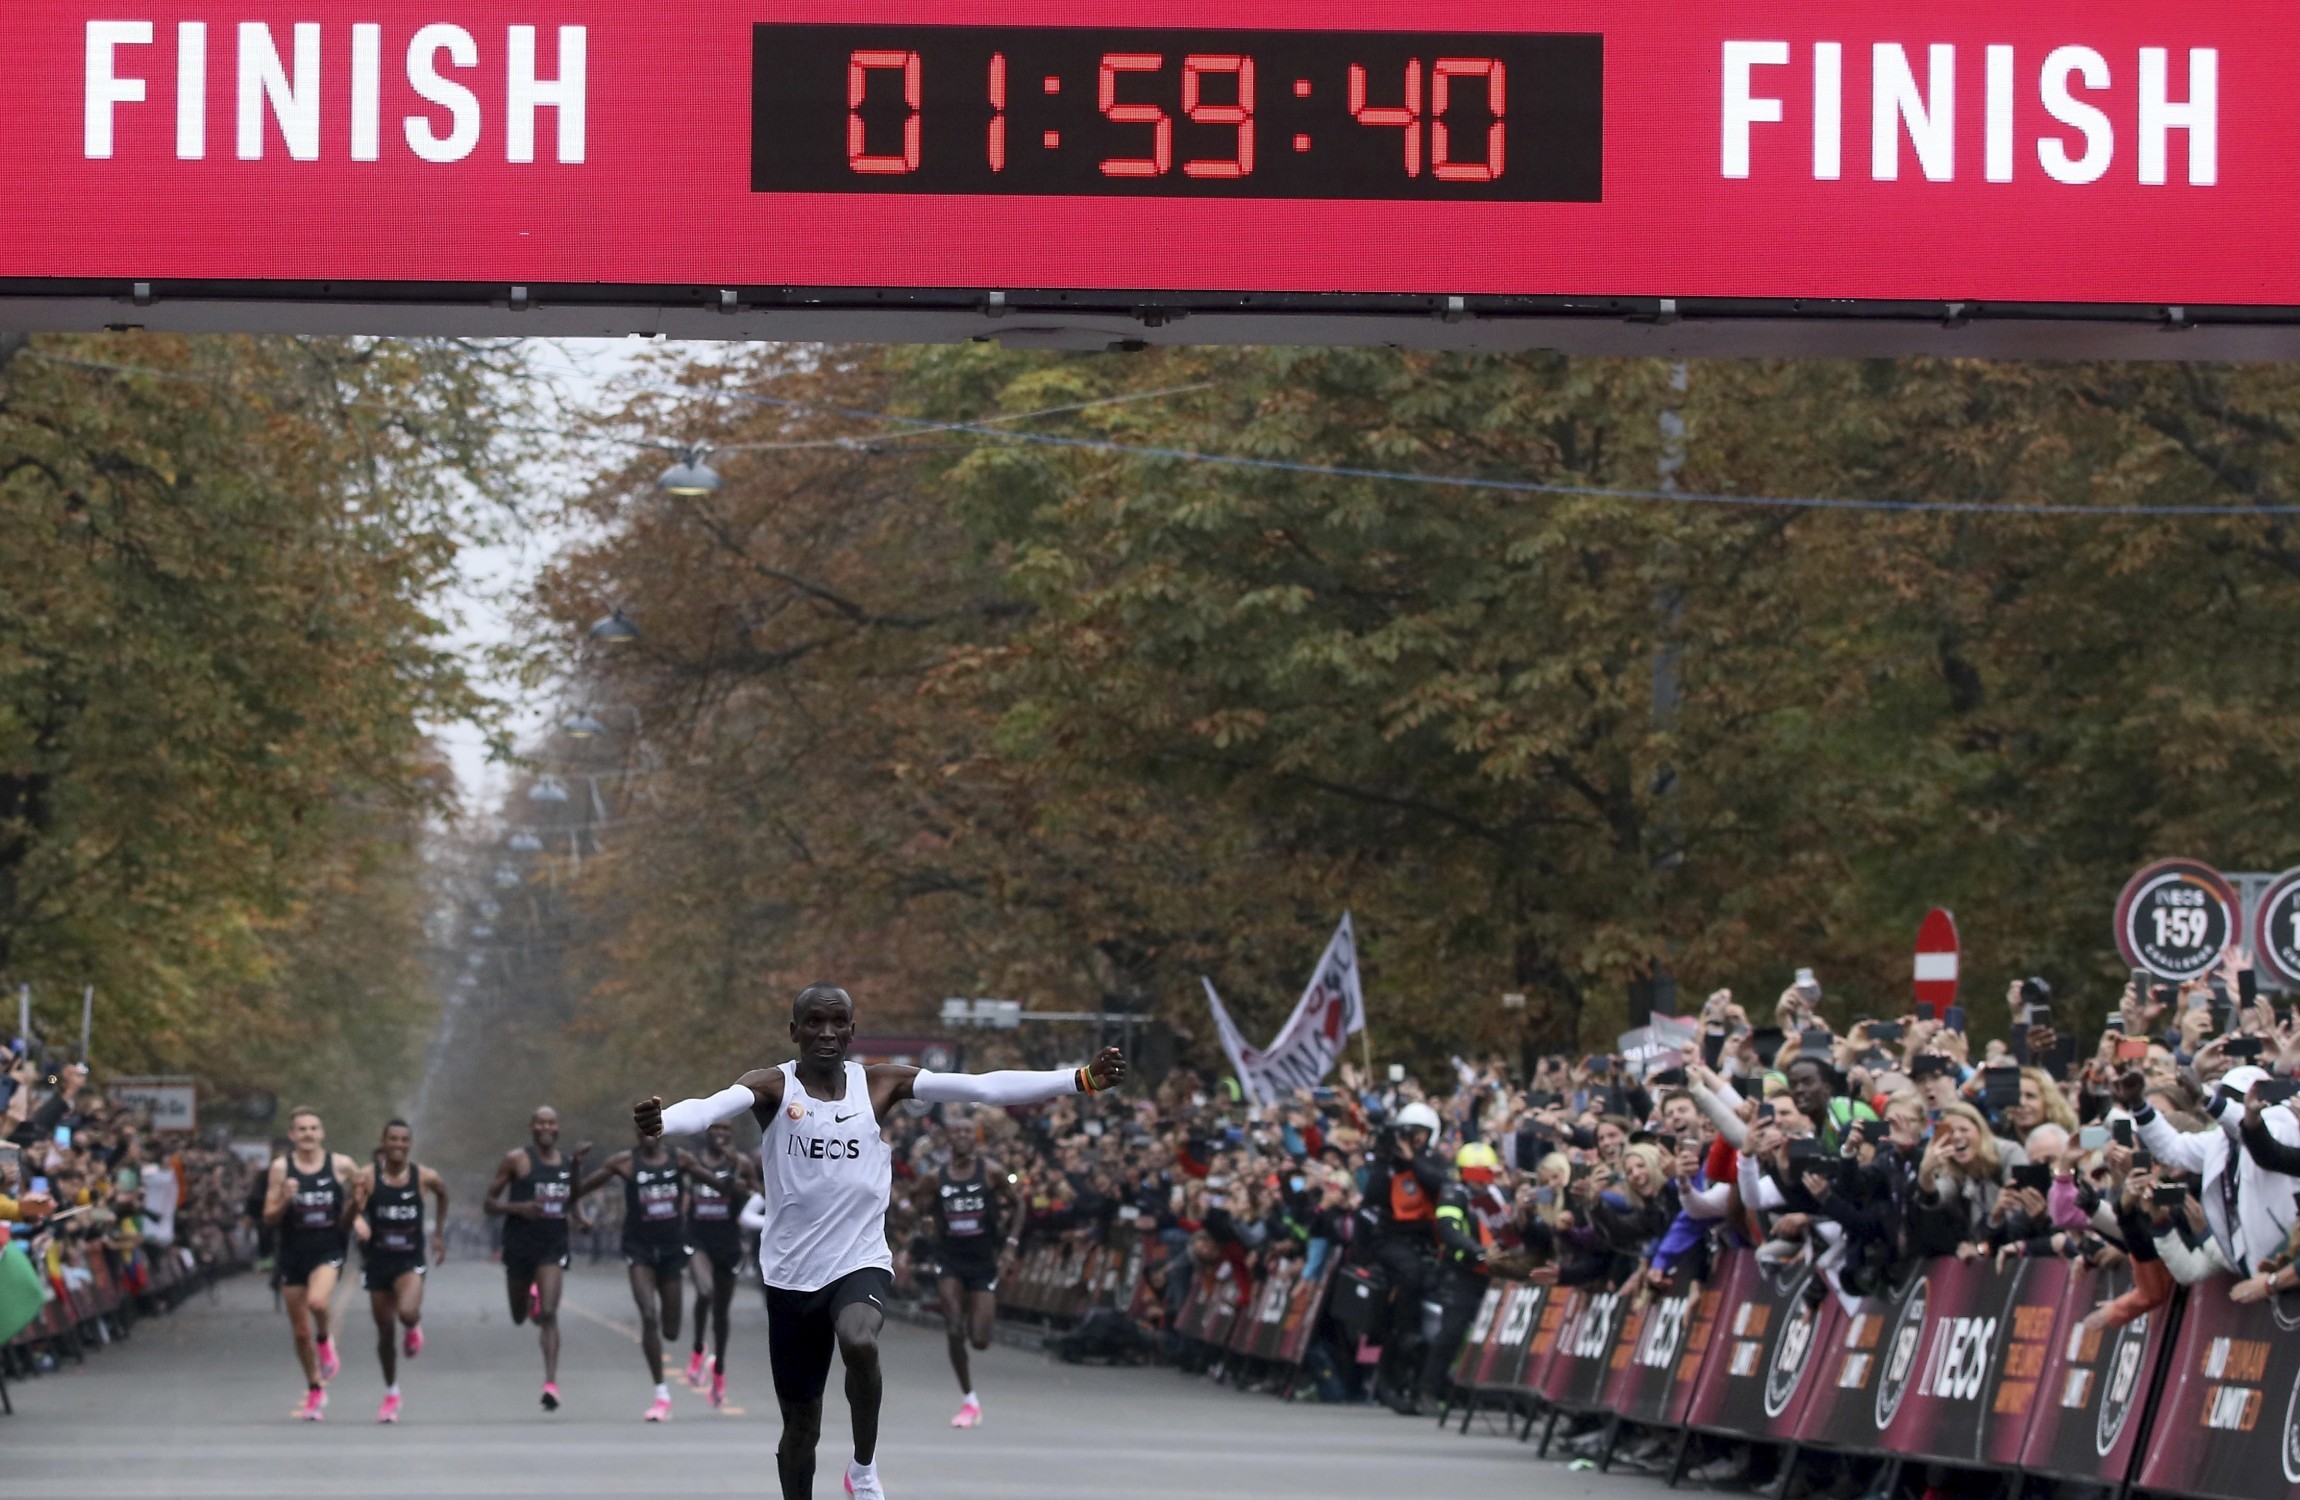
(1936, 973)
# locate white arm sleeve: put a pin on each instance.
(1001, 1089)
(754, 1214)
(694, 1116)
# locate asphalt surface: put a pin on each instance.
(197, 1405)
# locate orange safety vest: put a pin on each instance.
(1408, 1203)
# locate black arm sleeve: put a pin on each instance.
(2272, 1154)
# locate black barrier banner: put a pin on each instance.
(1477, 1344)
(1511, 1346)
(2086, 1420)
(1754, 1374)
(1947, 1369)
(1650, 1372)
(1210, 1307)
(1280, 1314)
(1581, 1342)
(2228, 1421)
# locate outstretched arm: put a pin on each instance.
(892, 1083)
(606, 1174)
(761, 1088)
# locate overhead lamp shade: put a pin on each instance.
(583, 727)
(523, 842)
(689, 476)
(615, 627)
(547, 790)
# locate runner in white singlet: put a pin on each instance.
(827, 1174)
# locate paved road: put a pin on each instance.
(197, 1405)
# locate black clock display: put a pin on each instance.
(1198, 113)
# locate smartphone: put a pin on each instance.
(2132, 1050)
(1810, 986)
(1882, 1032)
(1953, 1019)
(2120, 1131)
(2000, 1088)
(2246, 1047)
(1764, 1114)
(1599, 1064)
(2141, 980)
(2115, 1022)
(64, 1136)
(1804, 1151)
(2247, 987)
(2093, 1137)
(2033, 1174)
(40, 1186)
(2143, 1159)
(2170, 1196)
(2277, 1090)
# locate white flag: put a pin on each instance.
(1332, 1010)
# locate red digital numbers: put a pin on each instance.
(1240, 114)
(1161, 159)
(1497, 100)
(860, 65)
(1406, 117)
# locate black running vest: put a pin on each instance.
(550, 1184)
(395, 1214)
(651, 1203)
(315, 1201)
(712, 1203)
(966, 1212)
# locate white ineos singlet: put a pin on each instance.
(827, 1176)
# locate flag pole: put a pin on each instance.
(24, 1013)
(87, 1020)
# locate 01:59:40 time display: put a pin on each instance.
(1054, 111)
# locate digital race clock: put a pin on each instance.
(1199, 113)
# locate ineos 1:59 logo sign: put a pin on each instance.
(2175, 917)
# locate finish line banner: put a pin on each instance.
(2104, 152)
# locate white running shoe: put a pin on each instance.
(863, 1483)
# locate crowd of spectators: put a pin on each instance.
(2157, 1131)
(83, 1182)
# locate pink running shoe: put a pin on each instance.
(969, 1415)
(661, 1410)
(413, 1343)
(329, 1365)
(550, 1395)
(718, 1388)
(314, 1406)
(695, 1369)
(389, 1411)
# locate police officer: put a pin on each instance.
(1397, 1231)
(1465, 1242)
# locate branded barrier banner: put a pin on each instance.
(1576, 1338)
(1210, 1307)
(1948, 1369)
(1658, 1355)
(1279, 1317)
(1477, 1344)
(2228, 1418)
(1510, 1348)
(2085, 1423)
(1755, 1374)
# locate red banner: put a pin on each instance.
(2107, 151)
(2085, 1424)
(1756, 1373)
(1577, 1334)
(2228, 1420)
(1658, 1354)
(1949, 1369)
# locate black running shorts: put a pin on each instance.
(974, 1272)
(802, 1329)
(302, 1254)
(664, 1258)
(381, 1273)
(726, 1254)
(521, 1262)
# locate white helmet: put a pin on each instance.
(1418, 1115)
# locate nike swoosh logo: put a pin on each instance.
(842, 1119)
